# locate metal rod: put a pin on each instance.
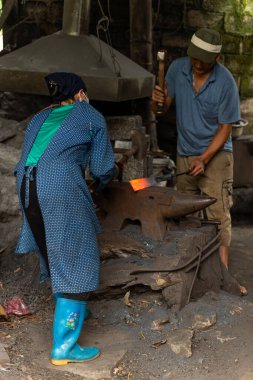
(190, 261)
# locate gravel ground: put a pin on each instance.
(224, 351)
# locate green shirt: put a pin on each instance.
(47, 132)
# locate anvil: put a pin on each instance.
(151, 207)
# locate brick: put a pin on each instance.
(232, 44)
(200, 19)
(248, 44)
(239, 64)
(246, 87)
(247, 108)
(176, 41)
(217, 5)
(234, 25)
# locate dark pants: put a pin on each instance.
(36, 223)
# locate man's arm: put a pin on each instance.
(198, 165)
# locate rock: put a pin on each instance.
(8, 198)
(4, 357)
(173, 294)
(203, 322)
(8, 129)
(198, 315)
(246, 376)
(209, 276)
(10, 215)
(9, 157)
(180, 342)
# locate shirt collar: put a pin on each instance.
(187, 71)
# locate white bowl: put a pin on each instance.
(237, 128)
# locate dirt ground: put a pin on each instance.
(137, 345)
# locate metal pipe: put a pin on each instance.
(85, 17)
(72, 12)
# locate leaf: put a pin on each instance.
(3, 314)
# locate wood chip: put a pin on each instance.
(159, 343)
(127, 300)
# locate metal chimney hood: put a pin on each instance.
(108, 74)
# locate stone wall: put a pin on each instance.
(174, 21)
(233, 18)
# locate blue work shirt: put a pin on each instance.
(199, 115)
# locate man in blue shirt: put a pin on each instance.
(207, 104)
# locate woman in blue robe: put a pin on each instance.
(59, 219)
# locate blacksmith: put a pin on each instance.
(207, 104)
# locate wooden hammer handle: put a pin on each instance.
(161, 69)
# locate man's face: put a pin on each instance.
(200, 67)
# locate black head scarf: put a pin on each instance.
(62, 86)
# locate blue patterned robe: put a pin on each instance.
(67, 208)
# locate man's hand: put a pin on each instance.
(197, 167)
(159, 95)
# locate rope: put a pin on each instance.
(157, 13)
(103, 24)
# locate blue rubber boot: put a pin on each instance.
(87, 313)
(56, 296)
(68, 321)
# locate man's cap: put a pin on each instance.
(62, 86)
(205, 45)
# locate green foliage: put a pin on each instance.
(240, 11)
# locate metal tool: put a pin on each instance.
(142, 183)
(182, 173)
(161, 55)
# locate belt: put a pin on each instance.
(30, 174)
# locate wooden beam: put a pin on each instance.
(141, 32)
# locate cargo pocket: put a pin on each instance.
(227, 194)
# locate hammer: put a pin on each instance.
(161, 56)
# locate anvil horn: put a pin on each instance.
(184, 204)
